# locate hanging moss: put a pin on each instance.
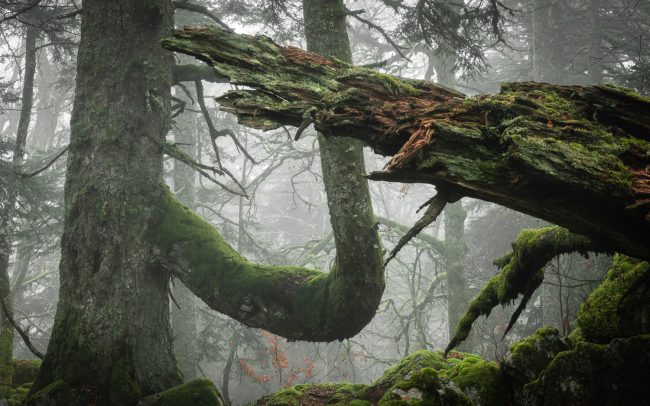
(521, 273)
(620, 306)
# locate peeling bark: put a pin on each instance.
(577, 156)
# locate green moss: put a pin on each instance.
(401, 373)
(614, 374)
(208, 252)
(198, 392)
(529, 357)
(521, 273)
(554, 106)
(482, 381)
(328, 393)
(627, 91)
(618, 307)
(313, 304)
(394, 85)
(18, 394)
(123, 387)
(288, 397)
(416, 380)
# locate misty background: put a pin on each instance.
(285, 219)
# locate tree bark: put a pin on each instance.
(566, 154)
(296, 303)
(342, 163)
(111, 342)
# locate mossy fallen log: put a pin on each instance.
(577, 156)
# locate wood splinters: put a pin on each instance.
(436, 206)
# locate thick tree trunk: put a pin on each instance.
(575, 156)
(111, 342)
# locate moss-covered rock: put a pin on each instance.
(483, 382)
(198, 392)
(422, 378)
(529, 357)
(18, 394)
(416, 380)
(322, 394)
(620, 306)
(596, 374)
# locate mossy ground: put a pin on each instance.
(422, 378)
(198, 392)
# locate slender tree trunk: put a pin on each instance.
(594, 52)
(8, 207)
(227, 369)
(454, 259)
(544, 62)
(348, 196)
(111, 342)
(184, 316)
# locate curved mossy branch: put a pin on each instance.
(522, 272)
(294, 302)
(566, 154)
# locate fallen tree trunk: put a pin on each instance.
(572, 155)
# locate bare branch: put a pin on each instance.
(355, 14)
(20, 331)
(436, 206)
(23, 10)
(50, 163)
(181, 5)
